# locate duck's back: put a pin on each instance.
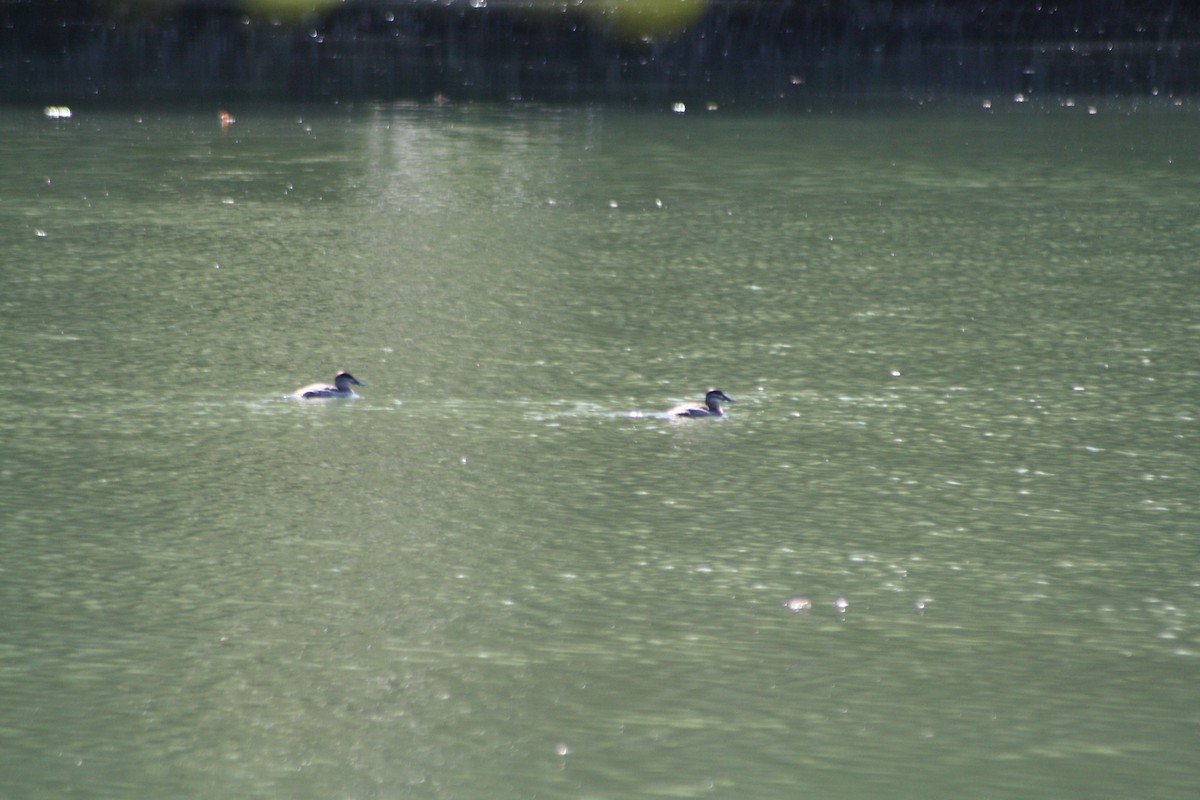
(690, 410)
(318, 390)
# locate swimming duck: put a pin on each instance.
(341, 387)
(711, 407)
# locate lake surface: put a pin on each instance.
(963, 345)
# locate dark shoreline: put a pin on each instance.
(737, 53)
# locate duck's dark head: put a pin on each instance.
(717, 394)
(344, 379)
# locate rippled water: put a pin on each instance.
(962, 345)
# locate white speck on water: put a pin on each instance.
(798, 602)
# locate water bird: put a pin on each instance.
(711, 407)
(340, 388)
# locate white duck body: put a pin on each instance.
(340, 388)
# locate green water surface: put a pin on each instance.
(963, 346)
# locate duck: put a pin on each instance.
(711, 407)
(340, 388)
